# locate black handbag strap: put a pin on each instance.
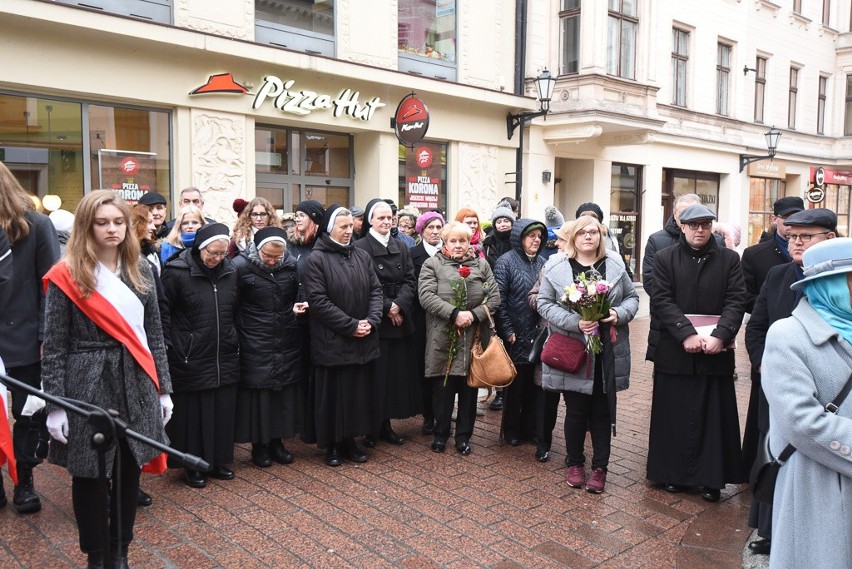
(832, 407)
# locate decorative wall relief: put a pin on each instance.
(219, 161)
(479, 183)
(234, 19)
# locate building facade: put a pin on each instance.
(656, 98)
(287, 99)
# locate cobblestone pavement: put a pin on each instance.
(410, 507)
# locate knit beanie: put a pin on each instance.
(503, 210)
(552, 217)
(239, 205)
(313, 209)
(592, 207)
(425, 219)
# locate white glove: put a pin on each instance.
(32, 405)
(57, 425)
(167, 406)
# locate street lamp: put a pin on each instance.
(544, 83)
(771, 144)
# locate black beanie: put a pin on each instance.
(313, 209)
(590, 206)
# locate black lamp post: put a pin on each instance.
(544, 83)
(771, 144)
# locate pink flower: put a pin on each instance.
(602, 287)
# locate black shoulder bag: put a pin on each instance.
(766, 467)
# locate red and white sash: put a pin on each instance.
(116, 310)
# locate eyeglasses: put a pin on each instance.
(535, 236)
(259, 215)
(590, 233)
(695, 225)
(216, 254)
(806, 237)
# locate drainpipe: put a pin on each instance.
(520, 73)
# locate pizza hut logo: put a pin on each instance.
(129, 166)
(411, 120)
(423, 156)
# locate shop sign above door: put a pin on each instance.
(411, 120)
(289, 100)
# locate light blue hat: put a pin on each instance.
(830, 257)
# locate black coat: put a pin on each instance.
(756, 262)
(270, 340)
(205, 351)
(22, 312)
(5, 265)
(395, 271)
(341, 288)
(775, 301)
(709, 281)
(515, 275)
(498, 243)
(418, 257)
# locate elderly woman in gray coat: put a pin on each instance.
(590, 394)
(806, 364)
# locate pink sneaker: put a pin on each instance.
(597, 481)
(576, 476)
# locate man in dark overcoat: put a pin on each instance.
(776, 301)
(695, 436)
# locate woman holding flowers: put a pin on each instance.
(586, 295)
(455, 288)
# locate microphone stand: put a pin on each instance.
(108, 429)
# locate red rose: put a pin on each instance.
(464, 272)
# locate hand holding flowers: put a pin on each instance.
(588, 296)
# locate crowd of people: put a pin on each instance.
(344, 320)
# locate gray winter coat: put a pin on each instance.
(556, 275)
(802, 371)
(436, 296)
(83, 362)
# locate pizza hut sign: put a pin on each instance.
(411, 121)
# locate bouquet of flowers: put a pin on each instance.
(588, 296)
(453, 331)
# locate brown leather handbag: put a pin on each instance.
(490, 366)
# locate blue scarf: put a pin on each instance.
(782, 246)
(830, 298)
(187, 238)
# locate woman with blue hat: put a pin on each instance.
(807, 364)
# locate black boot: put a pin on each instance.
(25, 499)
(497, 403)
(119, 559)
(96, 561)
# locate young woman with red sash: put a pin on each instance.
(104, 345)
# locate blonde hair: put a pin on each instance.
(242, 228)
(81, 256)
(14, 203)
(456, 229)
(174, 235)
(570, 229)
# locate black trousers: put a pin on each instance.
(26, 431)
(592, 411)
(548, 407)
(85, 496)
(520, 405)
(443, 398)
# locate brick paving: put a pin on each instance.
(409, 507)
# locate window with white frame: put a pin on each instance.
(823, 96)
(680, 60)
(792, 95)
(759, 88)
(427, 37)
(847, 126)
(622, 29)
(723, 77)
(153, 10)
(569, 29)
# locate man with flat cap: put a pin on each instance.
(157, 204)
(698, 301)
(357, 220)
(776, 300)
(772, 249)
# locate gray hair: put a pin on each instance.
(686, 198)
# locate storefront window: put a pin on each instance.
(294, 165)
(624, 212)
(303, 25)
(427, 37)
(837, 200)
(679, 182)
(43, 145)
(423, 176)
(763, 192)
(153, 10)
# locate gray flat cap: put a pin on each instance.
(696, 212)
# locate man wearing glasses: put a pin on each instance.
(776, 301)
(188, 196)
(772, 249)
(694, 440)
